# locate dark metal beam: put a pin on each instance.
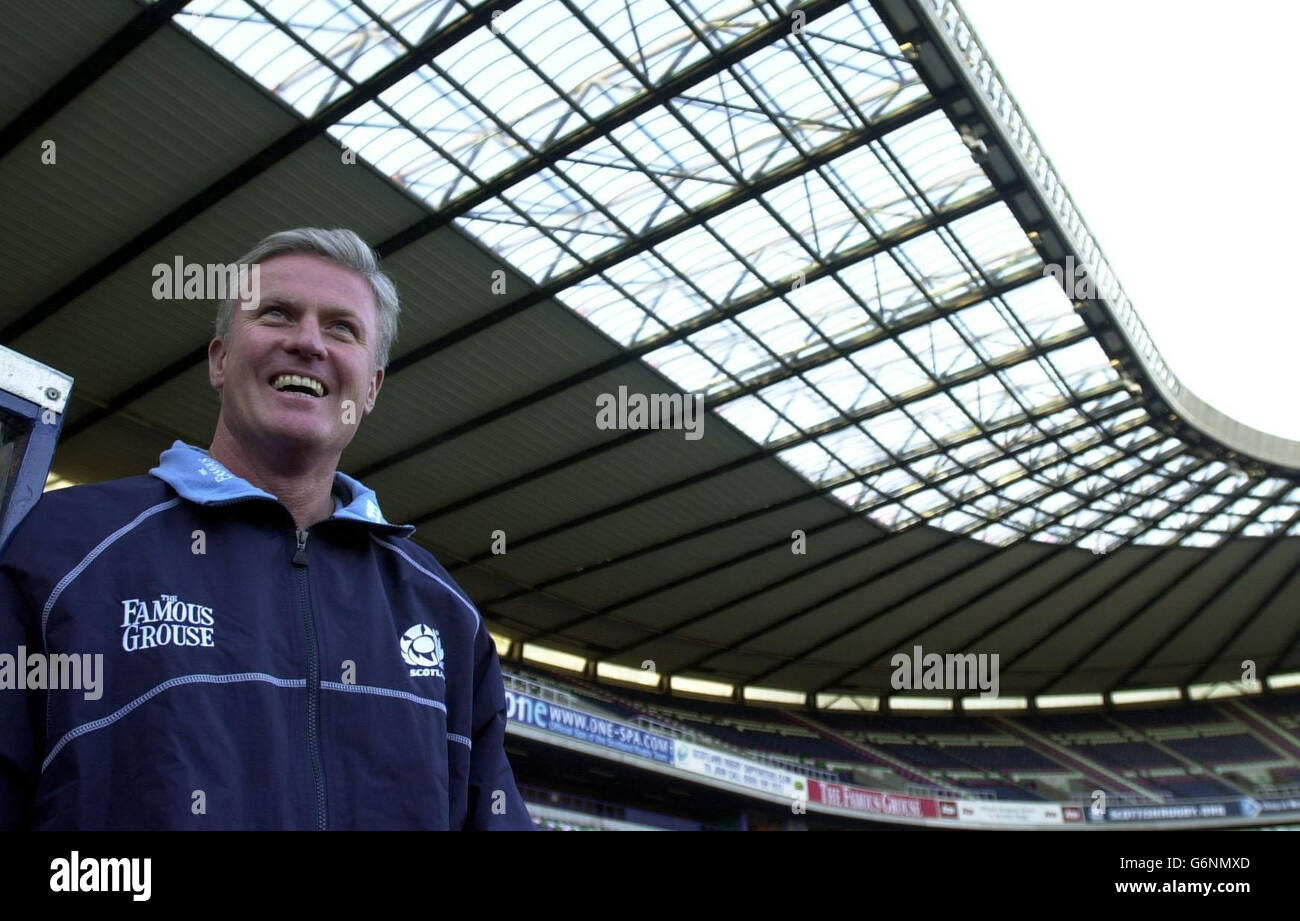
(100, 61)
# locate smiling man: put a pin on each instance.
(277, 654)
(305, 366)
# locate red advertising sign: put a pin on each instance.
(858, 799)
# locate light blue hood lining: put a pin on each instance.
(197, 477)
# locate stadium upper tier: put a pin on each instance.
(828, 219)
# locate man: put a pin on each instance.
(275, 653)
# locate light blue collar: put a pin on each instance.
(197, 477)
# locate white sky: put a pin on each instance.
(1172, 125)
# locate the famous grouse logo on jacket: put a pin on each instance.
(165, 621)
(422, 649)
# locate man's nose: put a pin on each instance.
(308, 339)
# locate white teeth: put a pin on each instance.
(297, 380)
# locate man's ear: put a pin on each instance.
(373, 392)
(216, 364)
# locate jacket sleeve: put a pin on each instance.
(494, 800)
(21, 734)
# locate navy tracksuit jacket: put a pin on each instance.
(253, 676)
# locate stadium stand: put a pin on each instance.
(843, 243)
(1201, 753)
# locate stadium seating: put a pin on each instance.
(1027, 757)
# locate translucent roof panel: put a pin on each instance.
(799, 233)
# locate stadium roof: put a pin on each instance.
(827, 217)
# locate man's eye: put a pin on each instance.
(347, 326)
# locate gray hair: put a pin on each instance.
(342, 247)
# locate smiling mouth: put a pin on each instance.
(297, 383)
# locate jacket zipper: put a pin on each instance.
(313, 679)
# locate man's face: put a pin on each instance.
(316, 320)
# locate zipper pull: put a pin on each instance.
(300, 555)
